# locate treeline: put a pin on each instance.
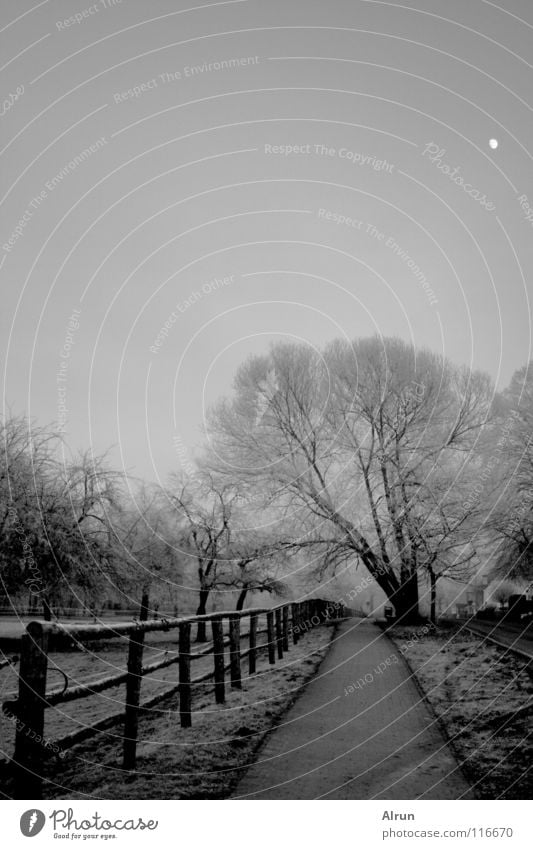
(368, 454)
(78, 533)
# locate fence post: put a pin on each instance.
(28, 756)
(235, 651)
(252, 654)
(270, 638)
(279, 635)
(295, 621)
(218, 654)
(133, 698)
(285, 628)
(185, 673)
(303, 616)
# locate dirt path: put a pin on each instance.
(357, 732)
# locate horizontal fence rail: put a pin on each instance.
(57, 611)
(283, 625)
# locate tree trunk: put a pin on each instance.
(383, 576)
(201, 632)
(47, 610)
(405, 600)
(242, 598)
(403, 593)
(433, 596)
(145, 605)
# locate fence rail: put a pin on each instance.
(284, 623)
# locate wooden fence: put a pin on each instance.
(285, 623)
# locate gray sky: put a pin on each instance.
(226, 145)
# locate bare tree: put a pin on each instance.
(146, 544)
(355, 439)
(512, 519)
(54, 532)
(203, 509)
(26, 462)
(253, 563)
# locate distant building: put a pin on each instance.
(458, 599)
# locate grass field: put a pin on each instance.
(99, 659)
(203, 762)
(484, 698)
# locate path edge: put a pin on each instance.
(439, 721)
(334, 627)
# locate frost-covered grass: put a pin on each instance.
(484, 697)
(202, 762)
(99, 659)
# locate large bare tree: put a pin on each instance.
(366, 445)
